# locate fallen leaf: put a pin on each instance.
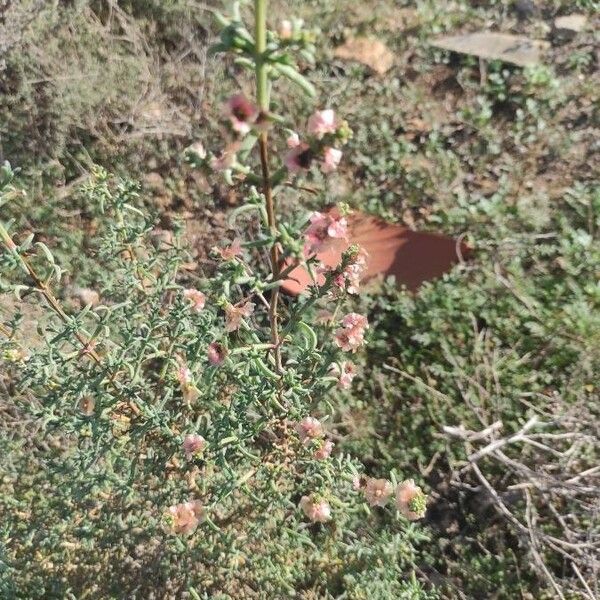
(515, 49)
(572, 23)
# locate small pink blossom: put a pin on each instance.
(293, 140)
(324, 451)
(356, 483)
(346, 372)
(299, 158)
(235, 313)
(193, 445)
(331, 159)
(410, 500)
(184, 375)
(322, 122)
(352, 333)
(309, 428)
(355, 321)
(221, 163)
(196, 298)
(322, 232)
(188, 389)
(285, 29)
(378, 491)
(87, 296)
(87, 405)
(226, 159)
(230, 252)
(349, 278)
(316, 509)
(216, 353)
(241, 112)
(184, 518)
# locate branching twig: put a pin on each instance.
(554, 491)
(54, 304)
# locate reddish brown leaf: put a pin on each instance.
(413, 257)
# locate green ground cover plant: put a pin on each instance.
(180, 463)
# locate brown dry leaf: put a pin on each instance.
(368, 51)
(413, 257)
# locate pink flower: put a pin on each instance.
(184, 518)
(242, 113)
(322, 232)
(316, 509)
(324, 451)
(309, 428)
(346, 372)
(355, 321)
(231, 251)
(188, 389)
(184, 375)
(87, 405)
(331, 159)
(410, 500)
(378, 491)
(196, 298)
(285, 30)
(356, 483)
(293, 140)
(322, 122)
(216, 353)
(235, 314)
(352, 333)
(193, 445)
(299, 158)
(226, 159)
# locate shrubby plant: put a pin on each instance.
(182, 418)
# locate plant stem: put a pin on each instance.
(262, 96)
(262, 89)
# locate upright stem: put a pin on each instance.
(262, 96)
(260, 35)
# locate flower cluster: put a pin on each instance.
(411, 502)
(346, 372)
(351, 336)
(311, 430)
(350, 276)
(325, 132)
(323, 231)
